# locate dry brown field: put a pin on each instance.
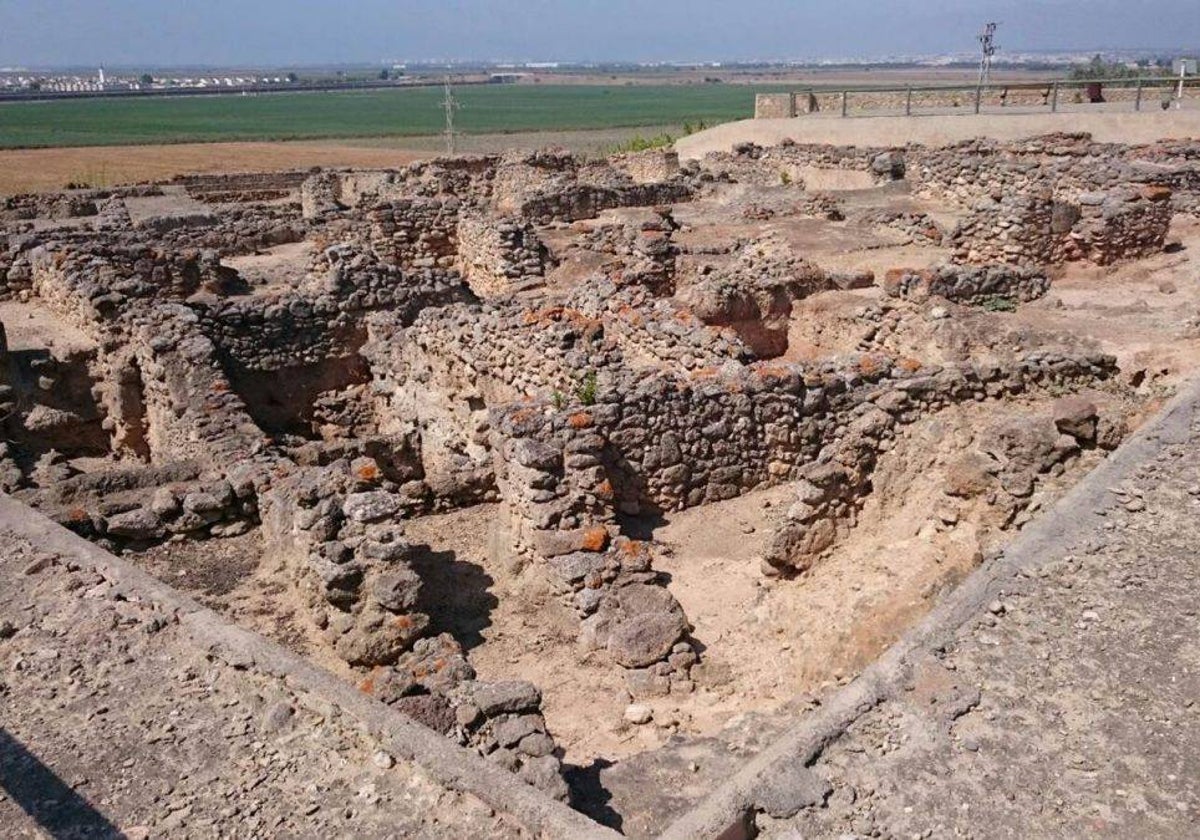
(44, 170)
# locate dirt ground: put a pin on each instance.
(30, 326)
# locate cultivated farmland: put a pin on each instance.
(413, 112)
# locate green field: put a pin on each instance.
(378, 113)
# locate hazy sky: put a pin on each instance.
(164, 32)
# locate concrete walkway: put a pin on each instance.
(942, 129)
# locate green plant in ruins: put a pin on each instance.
(587, 388)
(999, 303)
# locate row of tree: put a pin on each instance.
(1100, 69)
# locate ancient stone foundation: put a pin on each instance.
(555, 357)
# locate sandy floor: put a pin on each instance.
(31, 326)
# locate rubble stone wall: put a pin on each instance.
(968, 284)
(226, 188)
(304, 328)
(671, 443)
(585, 201)
(649, 167)
(1101, 227)
(416, 232)
(498, 255)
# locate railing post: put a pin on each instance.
(908, 102)
(978, 97)
(1054, 98)
(1137, 102)
(845, 102)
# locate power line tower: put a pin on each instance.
(451, 105)
(988, 45)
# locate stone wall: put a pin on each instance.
(1064, 164)
(192, 412)
(554, 186)
(311, 325)
(416, 232)
(500, 255)
(243, 186)
(663, 443)
(785, 163)
(555, 484)
(967, 284)
(586, 201)
(643, 248)
(1101, 227)
(774, 106)
(648, 167)
(833, 487)
(339, 529)
(242, 230)
(918, 227)
(439, 376)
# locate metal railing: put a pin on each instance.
(1052, 92)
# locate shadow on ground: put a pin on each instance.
(455, 594)
(588, 795)
(61, 812)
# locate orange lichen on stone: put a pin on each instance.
(908, 364)
(632, 547)
(870, 364)
(595, 538)
(580, 420)
(773, 371)
(367, 686)
(403, 622)
(605, 490)
(1156, 192)
(368, 472)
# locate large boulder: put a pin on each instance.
(509, 696)
(644, 639)
(373, 506)
(1076, 416)
(396, 590)
(138, 524)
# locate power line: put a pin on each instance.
(451, 106)
(988, 45)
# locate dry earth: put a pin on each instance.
(44, 170)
